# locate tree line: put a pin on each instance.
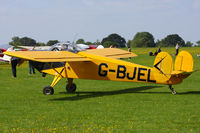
(141, 39)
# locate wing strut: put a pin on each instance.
(58, 76)
(48, 90)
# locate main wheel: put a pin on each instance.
(48, 90)
(72, 88)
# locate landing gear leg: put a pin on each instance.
(70, 87)
(172, 89)
(48, 90)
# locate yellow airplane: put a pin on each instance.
(103, 64)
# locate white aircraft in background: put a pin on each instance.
(6, 58)
(36, 48)
(62, 46)
(72, 47)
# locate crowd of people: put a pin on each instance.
(159, 50)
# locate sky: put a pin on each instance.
(92, 20)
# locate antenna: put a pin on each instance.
(75, 36)
(73, 43)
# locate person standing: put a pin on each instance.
(129, 50)
(177, 49)
(14, 61)
(31, 68)
(159, 49)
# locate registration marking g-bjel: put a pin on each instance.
(137, 73)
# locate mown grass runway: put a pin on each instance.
(99, 106)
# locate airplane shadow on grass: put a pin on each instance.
(189, 92)
(92, 94)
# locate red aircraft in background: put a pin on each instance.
(6, 58)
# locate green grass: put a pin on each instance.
(99, 106)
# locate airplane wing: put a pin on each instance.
(111, 52)
(62, 56)
(47, 56)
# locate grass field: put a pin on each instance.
(99, 106)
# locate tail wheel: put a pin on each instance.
(174, 92)
(172, 89)
(48, 90)
(72, 88)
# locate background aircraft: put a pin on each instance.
(62, 46)
(6, 58)
(72, 47)
(1, 54)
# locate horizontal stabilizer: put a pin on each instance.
(182, 73)
(47, 56)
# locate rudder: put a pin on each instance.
(184, 62)
(163, 67)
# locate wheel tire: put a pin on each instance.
(71, 89)
(48, 90)
(174, 92)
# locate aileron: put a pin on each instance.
(111, 52)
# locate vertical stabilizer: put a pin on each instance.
(184, 62)
(163, 67)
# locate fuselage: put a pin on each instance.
(104, 68)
